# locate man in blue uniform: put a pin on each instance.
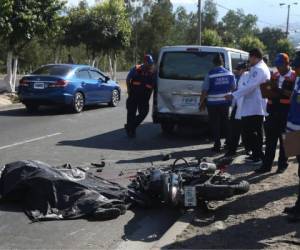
(293, 124)
(140, 83)
(218, 83)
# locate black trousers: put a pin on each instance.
(252, 127)
(218, 116)
(134, 105)
(274, 128)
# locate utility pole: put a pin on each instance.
(199, 22)
(288, 17)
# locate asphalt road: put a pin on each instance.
(56, 137)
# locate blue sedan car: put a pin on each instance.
(69, 85)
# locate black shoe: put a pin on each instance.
(280, 170)
(262, 170)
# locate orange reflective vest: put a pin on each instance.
(287, 85)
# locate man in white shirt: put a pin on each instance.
(253, 106)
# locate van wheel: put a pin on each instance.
(167, 127)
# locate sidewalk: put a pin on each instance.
(251, 221)
(5, 100)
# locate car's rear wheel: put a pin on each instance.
(31, 107)
(167, 127)
(115, 98)
(78, 102)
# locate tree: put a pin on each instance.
(235, 25)
(20, 22)
(249, 42)
(285, 46)
(209, 15)
(211, 38)
(111, 23)
(156, 28)
(270, 37)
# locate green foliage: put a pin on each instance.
(22, 20)
(270, 37)
(249, 42)
(211, 38)
(210, 15)
(285, 46)
(43, 32)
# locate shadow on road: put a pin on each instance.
(246, 235)
(144, 225)
(148, 138)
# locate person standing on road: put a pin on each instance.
(140, 83)
(293, 124)
(278, 109)
(241, 74)
(253, 106)
(218, 83)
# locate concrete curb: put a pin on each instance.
(11, 106)
(176, 229)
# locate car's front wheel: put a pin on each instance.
(78, 102)
(115, 98)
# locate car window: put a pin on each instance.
(83, 74)
(236, 58)
(95, 75)
(53, 70)
(186, 65)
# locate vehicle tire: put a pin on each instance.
(30, 107)
(217, 192)
(78, 102)
(115, 98)
(167, 128)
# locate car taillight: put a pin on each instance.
(24, 83)
(59, 83)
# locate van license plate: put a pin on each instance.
(39, 85)
(188, 101)
(190, 199)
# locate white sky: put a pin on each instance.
(268, 11)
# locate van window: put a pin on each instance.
(186, 65)
(236, 58)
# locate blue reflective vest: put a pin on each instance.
(221, 82)
(293, 123)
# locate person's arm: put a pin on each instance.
(255, 79)
(128, 79)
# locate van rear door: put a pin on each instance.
(180, 78)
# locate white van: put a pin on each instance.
(181, 72)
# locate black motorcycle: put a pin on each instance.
(186, 184)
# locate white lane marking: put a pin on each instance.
(28, 141)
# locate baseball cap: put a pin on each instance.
(281, 59)
(148, 59)
(296, 62)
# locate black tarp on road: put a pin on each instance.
(48, 192)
